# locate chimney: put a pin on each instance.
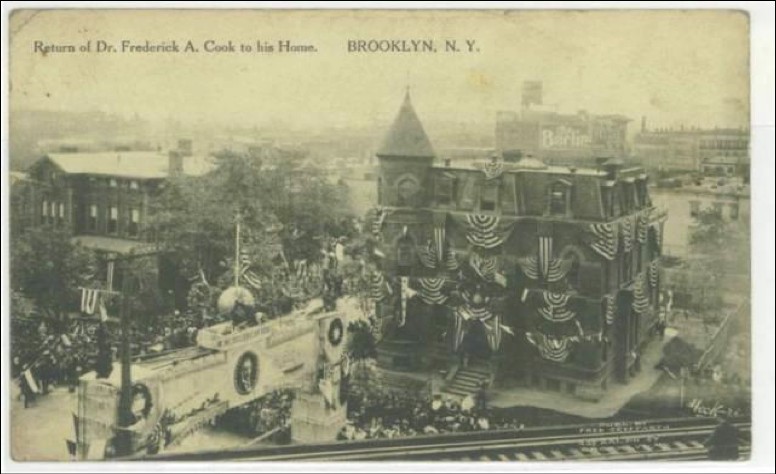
(185, 147)
(512, 156)
(175, 163)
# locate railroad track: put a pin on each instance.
(673, 439)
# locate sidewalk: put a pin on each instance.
(616, 396)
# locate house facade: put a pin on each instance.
(542, 274)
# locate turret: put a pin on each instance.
(405, 157)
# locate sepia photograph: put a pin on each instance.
(448, 236)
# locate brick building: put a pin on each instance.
(544, 274)
(103, 198)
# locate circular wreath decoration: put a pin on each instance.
(246, 373)
(336, 332)
(140, 389)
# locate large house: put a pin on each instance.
(511, 269)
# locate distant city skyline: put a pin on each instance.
(676, 68)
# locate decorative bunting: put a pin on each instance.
(439, 241)
(89, 300)
(451, 260)
(485, 267)
(626, 232)
(551, 348)
(654, 273)
(642, 227)
(604, 239)
(530, 267)
(554, 309)
(428, 255)
(493, 170)
(431, 290)
(493, 330)
(377, 286)
(545, 254)
(611, 311)
(558, 269)
(640, 299)
(486, 231)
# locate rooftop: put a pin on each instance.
(128, 164)
(406, 137)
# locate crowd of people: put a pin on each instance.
(266, 414)
(375, 413)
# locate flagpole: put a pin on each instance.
(237, 251)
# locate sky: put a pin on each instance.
(674, 67)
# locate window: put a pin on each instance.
(113, 219)
(113, 183)
(488, 197)
(53, 212)
(134, 185)
(445, 189)
(718, 209)
(407, 189)
(44, 209)
(134, 222)
(92, 222)
(734, 211)
(695, 208)
(62, 211)
(559, 198)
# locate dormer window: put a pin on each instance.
(113, 183)
(489, 197)
(134, 185)
(445, 189)
(559, 199)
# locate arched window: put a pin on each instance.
(407, 188)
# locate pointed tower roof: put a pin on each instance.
(406, 137)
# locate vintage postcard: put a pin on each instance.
(371, 235)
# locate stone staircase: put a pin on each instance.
(469, 380)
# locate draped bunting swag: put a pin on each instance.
(551, 348)
(605, 239)
(654, 273)
(643, 226)
(626, 232)
(554, 309)
(530, 267)
(486, 231)
(640, 299)
(545, 254)
(493, 330)
(611, 308)
(428, 255)
(451, 260)
(439, 241)
(431, 290)
(485, 267)
(377, 286)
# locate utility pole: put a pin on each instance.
(125, 416)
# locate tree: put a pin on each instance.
(283, 208)
(720, 252)
(48, 268)
(361, 343)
